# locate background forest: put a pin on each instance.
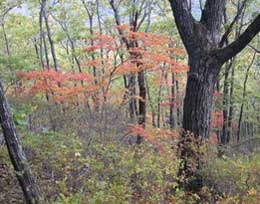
(96, 90)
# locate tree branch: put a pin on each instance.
(229, 29)
(185, 23)
(212, 16)
(255, 49)
(242, 41)
(118, 22)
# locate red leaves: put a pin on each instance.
(79, 77)
(144, 51)
(149, 52)
(62, 86)
(154, 136)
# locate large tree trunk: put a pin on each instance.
(30, 189)
(198, 101)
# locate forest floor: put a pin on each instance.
(87, 160)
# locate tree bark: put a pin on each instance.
(198, 100)
(26, 180)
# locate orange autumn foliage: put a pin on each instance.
(63, 87)
(152, 53)
(154, 136)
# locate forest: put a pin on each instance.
(129, 101)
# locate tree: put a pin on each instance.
(202, 40)
(27, 182)
(45, 16)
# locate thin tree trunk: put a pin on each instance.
(172, 100)
(150, 102)
(36, 49)
(224, 136)
(132, 92)
(142, 103)
(74, 52)
(231, 104)
(26, 180)
(243, 98)
(12, 74)
(41, 36)
(6, 40)
(178, 107)
(55, 62)
(46, 52)
(91, 32)
(134, 26)
(159, 102)
(72, 45)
